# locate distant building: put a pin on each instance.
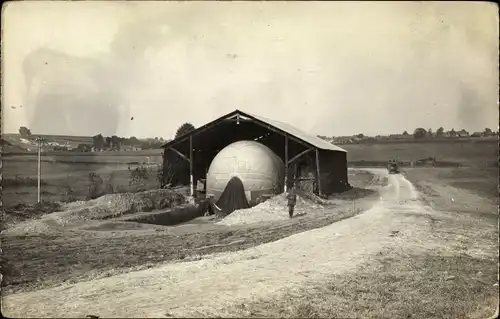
(25, 141)
(400, 137)
(450, 134)
(463, 133)
(343, 140)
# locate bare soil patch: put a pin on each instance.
(37, 261)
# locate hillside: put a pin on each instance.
(28, 144)
(14, 143)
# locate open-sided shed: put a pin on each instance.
(303, 154)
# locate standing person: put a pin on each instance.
(292, 200)
(315, 187)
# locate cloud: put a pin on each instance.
(330, 68)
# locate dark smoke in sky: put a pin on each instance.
(469, 108)
(85, 96)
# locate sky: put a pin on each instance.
(331, 68)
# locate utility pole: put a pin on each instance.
(39, 141)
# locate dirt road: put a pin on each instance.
(219, 282)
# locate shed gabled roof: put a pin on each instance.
(280, 126)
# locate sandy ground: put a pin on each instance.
(218, 282)
(273, 209)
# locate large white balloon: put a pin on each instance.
(258, 167)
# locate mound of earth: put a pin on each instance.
(272, 209)
(102, 208)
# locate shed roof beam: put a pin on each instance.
(296, 157)
(180, 154)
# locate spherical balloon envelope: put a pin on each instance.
(258, 167)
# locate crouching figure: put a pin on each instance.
(292, 200)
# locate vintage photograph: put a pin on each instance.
(270, 159)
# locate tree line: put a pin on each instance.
(99, 142)
(116, 143)
(421, 133)
(440, 132)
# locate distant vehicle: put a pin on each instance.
(392, 167)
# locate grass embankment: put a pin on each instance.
(395, 286)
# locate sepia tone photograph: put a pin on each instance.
(265, 159)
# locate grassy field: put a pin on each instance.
(62, 171)
(65, 176)
(468, 152)
(90, 157)
(63, 181)
(483, 182)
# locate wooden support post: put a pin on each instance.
(318, 175)
(286, 162)
(205, 183)
(191, 182)
(39, 140)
